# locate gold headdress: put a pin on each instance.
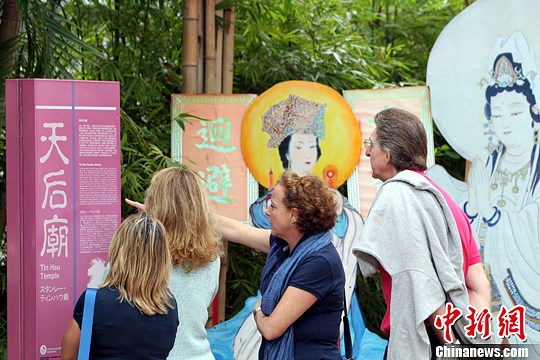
(294, 115)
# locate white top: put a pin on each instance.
(194, 292)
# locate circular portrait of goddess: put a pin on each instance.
(308, 128)
(301, 126)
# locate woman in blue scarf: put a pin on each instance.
(302, 283)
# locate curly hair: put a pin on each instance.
(177, 197)
(313, 200)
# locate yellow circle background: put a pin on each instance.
(341, 146)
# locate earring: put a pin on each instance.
(491, 136)
(293, 222)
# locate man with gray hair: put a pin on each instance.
(419, 240)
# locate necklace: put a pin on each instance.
(505, 177)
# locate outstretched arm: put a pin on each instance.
(237, 232)
(233, 230)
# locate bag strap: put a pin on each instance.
(87, 322)
(346, 329)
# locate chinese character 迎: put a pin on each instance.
(215, 132)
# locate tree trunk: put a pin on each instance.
(210, 48)
(228, 51)
(219, 49)
(190, 45)
(10, 24)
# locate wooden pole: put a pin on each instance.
(210, 48)
(228, 51)
(219, 48)
(205, 69)
(200, 29)
(189, 61)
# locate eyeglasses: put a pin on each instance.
(367, 143)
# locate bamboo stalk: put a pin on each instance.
(189, 62)
(210, 48)
(228, 52)
(222, 292)
(219, 49)
(200, 29)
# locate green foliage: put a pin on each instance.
(141, 47)
(371, 302)
(243, 277)
(448, 157)
(3, 334)
(344, 44)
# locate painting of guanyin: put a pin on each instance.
(308, 128)
(502, 196)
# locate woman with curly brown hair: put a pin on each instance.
(302, 283)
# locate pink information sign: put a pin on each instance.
(63, 179)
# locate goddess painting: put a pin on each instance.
(295, 126)
(502, 198)
(288, 128)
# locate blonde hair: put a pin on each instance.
(140, 264)
(178, 198)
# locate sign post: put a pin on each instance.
(63, 202)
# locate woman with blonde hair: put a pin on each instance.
(133, 301)
(178, 198)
